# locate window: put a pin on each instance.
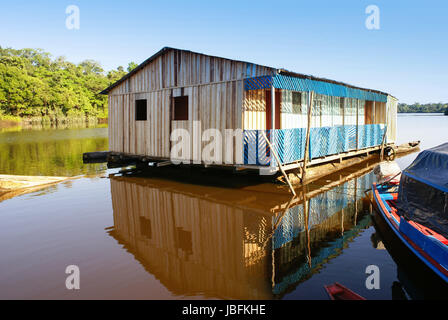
(184, 240)
(296, 102)
(145, 227)
(180, 111)
(140, 110)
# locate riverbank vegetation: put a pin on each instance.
(423, 108)
(34, 87)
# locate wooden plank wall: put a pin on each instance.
(254, 110)
(216, 264)
(216, 106)
(289, 118)
(380, 112)
(178, 68)
(150, 137)
(392, 106)
(214, 87)
(254, 106)
(368, 115)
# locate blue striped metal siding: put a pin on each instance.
(324, 141)
(322, 207)
(320, 87)
(256, 83)
(333, 249)
(288, 143)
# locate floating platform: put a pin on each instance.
(12, 185)
(95, 157)
(316, 168)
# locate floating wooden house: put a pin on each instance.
(176, 89)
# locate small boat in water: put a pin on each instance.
(415, 208)
(337, 291)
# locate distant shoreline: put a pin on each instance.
(421, 113)
(11, 122)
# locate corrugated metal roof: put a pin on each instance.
(292, 83)
(327, 88)
(279, 71)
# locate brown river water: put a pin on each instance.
(191, 235)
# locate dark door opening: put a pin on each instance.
(268, 101)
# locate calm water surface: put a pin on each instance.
(148, 237)
(52, 152)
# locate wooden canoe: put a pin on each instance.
(337, 291)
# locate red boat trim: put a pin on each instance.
(384, 209)
(393, 213)
(428, 232)
(427, 257)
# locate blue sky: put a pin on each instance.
(406, 57)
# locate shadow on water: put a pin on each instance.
(238, 244)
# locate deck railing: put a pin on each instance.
(324, 141)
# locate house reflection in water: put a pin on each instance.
(237, 244)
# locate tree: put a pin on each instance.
(34, 84)
(422, 108)
(131, 66)
(91, 66)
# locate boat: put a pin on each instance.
(415, 210)
(337, 291)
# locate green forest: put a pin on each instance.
(423, 108)
(35, 85)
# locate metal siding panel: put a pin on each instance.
(300, 84)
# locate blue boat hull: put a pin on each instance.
(424, 279)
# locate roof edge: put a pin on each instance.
(138, 68)
(277, 70)
(311, 77)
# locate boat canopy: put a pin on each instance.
(423, 193)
